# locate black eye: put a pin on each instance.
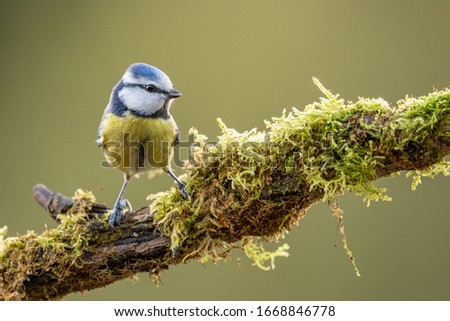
(150, 88)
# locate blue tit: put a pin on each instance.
(137, 133)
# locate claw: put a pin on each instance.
(175, 251)
(181, 185)
(116, 215)
(114, 218)
(126, 203)
(182, 188)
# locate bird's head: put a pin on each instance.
(145, 90)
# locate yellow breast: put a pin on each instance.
(136, 144)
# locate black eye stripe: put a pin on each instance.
(153, 90)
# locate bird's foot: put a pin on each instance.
(182, 188)
(116, 215)
(175, 251)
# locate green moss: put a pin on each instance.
(254, 186)
(3, 242)
(331, 160)
(440, 168)
(256, 252)
(331, 147)
(53, 251)
(339, 214)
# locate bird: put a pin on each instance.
(137, 133)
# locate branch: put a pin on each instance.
(246, 186)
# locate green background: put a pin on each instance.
(243, 61)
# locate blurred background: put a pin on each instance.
(243, 61)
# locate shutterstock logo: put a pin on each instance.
(137, 154)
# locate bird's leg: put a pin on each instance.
(120, 203)
(181, 185)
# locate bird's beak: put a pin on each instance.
(173, 93)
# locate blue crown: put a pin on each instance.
(141, 70)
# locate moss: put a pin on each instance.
(256, 252)
(254, 186)
(4, 242)
(339, 214)
(53, 251)
(335, 156)
(246, 183)
(440, 168)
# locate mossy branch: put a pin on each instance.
(244, 188)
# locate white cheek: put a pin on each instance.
(141, 101)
